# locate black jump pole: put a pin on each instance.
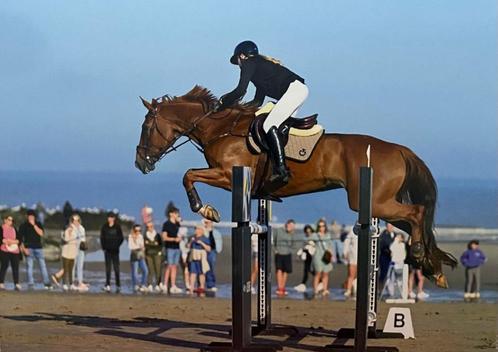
(366, 296)
(241, 269)
(241, 251)
(364, 267)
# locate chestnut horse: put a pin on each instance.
(404, 191)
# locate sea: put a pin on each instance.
(461, 202)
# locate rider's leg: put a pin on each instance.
(291, 101)
(293, 98)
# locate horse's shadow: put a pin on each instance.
(127, 329)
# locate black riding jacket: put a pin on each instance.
(270, 79)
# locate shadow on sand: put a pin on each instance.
(123, 329)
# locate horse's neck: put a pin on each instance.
(226, 122)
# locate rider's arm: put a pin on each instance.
(259, 97)
(246, 72)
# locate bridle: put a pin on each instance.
(161, 153)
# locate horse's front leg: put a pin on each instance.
(213, 177)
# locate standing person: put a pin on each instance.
(254, 263)
(385, 241)
(77, 271)
(136, 245)
(70, 251)
(322, 260)
(282, 245)
(10, 244)
(337, 245)
(111, 238)
(184, 255)
(472, 259)
(415, 274)
(146, 214)
(199, 266)
(398, 257)
(351, 258)
(171, 242)
(216, 244)
(31, 233)
(153, 256)
(80, 257)
(306, 253)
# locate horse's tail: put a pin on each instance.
(420, 188)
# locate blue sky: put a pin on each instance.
(418, 73)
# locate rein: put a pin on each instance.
(186, 133)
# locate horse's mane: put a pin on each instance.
(202, 95)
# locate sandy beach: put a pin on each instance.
(56, 322)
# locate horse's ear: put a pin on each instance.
(147, 105)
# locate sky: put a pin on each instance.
(419, 73)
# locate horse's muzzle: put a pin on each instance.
(143, 165)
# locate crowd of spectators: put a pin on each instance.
(157, 259)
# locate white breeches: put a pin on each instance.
(287, 106)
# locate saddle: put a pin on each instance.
(299, 136)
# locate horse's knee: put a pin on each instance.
(187, 180)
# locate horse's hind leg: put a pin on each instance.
(214, 177)
(405, 214)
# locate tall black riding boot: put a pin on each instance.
(280, 176)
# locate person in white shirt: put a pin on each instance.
(398, 256)
(136, 245)
(351, 257)
(80, 257)
(77, 234)
(70, 251)
(398, 251)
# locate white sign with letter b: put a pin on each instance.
(400, 320)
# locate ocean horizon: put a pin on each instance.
(461, 202)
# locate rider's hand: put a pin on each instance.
(218, 106)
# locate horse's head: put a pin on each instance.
(158, 135)
(170, 119)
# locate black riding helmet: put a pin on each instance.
(248, 48)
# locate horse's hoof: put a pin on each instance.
(441, 280)
(210, 213)
(417, 251)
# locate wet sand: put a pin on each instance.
(43, 321)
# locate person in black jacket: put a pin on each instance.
(385, 240)
(273, 80)
(111, 238)
(32, 232)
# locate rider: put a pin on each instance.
(273, 80)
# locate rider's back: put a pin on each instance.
(272, 78)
